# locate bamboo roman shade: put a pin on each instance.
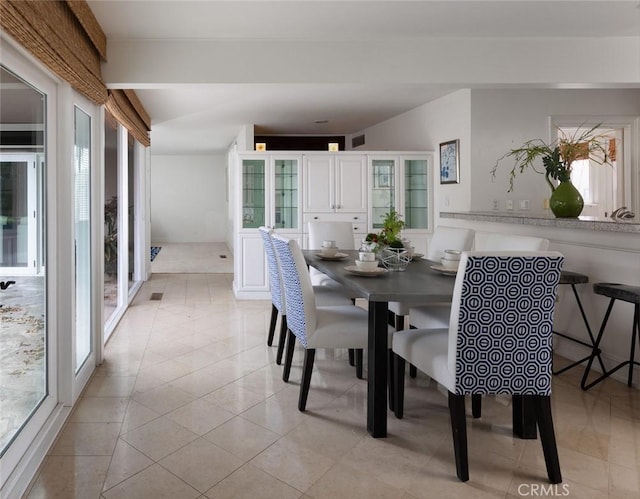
(128, 110)
(66, 37)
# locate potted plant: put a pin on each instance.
(557, 160)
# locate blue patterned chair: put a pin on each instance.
(322, 296)
(498, 342)
(342, 326)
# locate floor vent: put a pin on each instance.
(222, 256)
(156, 296)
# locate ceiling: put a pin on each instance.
(204, 118)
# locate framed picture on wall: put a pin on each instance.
(450, 162)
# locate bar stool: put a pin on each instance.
(622, 292)
(573, 278)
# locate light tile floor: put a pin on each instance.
(190, 404)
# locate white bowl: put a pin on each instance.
(330, 252)
(452, 255)
(449, 264)
(367, 266)
(367, 256)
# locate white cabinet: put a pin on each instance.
(271, 195)
(335, 183)
(401, 181)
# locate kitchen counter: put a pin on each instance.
(547, 220)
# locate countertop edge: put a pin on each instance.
(543, 220)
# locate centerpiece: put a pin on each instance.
(557, 160)
(388, 243)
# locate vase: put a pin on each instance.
(566, 201)
(395, 259)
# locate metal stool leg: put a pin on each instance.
(576, 340)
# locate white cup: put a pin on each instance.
(449, 264)
(453, 255)
(329, 251)
(328, 243)
(367, 256)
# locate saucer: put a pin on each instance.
(337, 256)
(368, 273)
(445, 271)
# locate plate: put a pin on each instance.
(442, 270)
(368, 273)
(337, 256)
(416, 256)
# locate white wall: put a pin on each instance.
(424, 128)
(188, 199)
(488, 124)
(504, 119)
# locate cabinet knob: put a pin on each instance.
(355, 229)
(355, 218)
(315, 218)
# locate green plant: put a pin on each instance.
(557, 157)
(392, 225)
(111, 235)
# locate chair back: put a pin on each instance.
(500, 338)
(508, 242)
(275, 280)
(444, 237)
(340, 232)
(298, 291)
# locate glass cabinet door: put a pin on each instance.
(253, 195)
(416, 194)
(286, 175)
(382, 189)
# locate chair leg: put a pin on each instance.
(547, 437)
(391, 376)
(307, 369)
(272, 324)
(476, 405)
(359, 362)
(459, 431)
(398, 391)
(282, 340)
(352, 357)
(413, 371)
(291, 343)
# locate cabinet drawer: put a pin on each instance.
(358, 220)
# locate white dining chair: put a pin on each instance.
(499, 341)
(437, 315)
(340, 232)
(324, 296)
(344, 326)
(443, 238)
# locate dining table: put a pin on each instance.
(421, 283)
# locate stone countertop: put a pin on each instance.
(547, 220)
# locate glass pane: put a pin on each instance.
(110, 216)
(382, 190)
(416, 194)
(131, 172)
(286, 192)
(23, 327)
(253, 198)
(82, 210)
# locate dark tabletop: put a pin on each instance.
(418, 283)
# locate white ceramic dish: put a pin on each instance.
(367, 266)
(368, 273)
(337, 256)
(442, 270)
(449, 264)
